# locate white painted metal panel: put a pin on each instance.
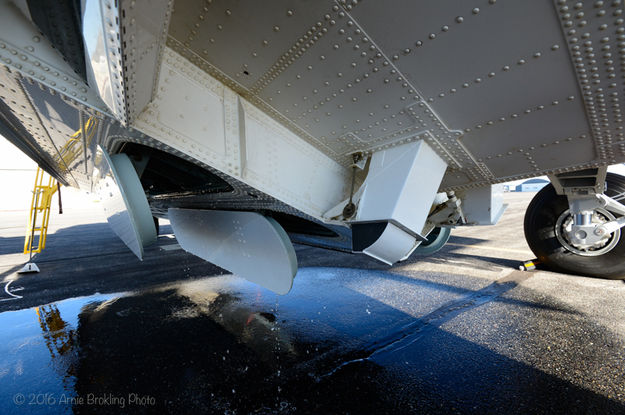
(197, 115)
(393, 245)
(124, 202)
(193, 111)
(245, 243)
(278, 162)
(483, 205)
(401, 185)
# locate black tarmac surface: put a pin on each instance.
(463, 331)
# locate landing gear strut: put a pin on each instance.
(579, 236)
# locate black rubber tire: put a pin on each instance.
(156, 225)
(540, 220)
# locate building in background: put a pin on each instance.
(531, 185)
(17, 175)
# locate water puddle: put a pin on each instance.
(39, 355)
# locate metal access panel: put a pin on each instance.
(499, 89)
(483, 205)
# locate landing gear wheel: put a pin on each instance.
(546, 221)
(436, 240)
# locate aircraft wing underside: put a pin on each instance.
(347, 123)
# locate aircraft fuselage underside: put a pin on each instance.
(351, 125)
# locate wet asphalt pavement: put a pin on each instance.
(462, 331)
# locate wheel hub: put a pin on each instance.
(579, 241)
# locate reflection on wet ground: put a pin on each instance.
(343, 341)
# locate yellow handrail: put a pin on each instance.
(39, 212)
(45, 189)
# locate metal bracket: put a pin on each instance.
(587, 231)
(359, 163)
(610, 205)
(396, 201)
(448, 213)
(580, 182)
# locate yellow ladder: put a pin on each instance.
(45, 187)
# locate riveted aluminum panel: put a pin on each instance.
(25, 50)
(13, 94)
(470, 58)
(198, 118)
(321, 76)
(197, 115)
(64, 126)
(213, 29)
(59, 21)
(143, 28)
(539, 125)
(478, 80)
(123, 45)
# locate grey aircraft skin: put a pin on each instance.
(362, 126)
